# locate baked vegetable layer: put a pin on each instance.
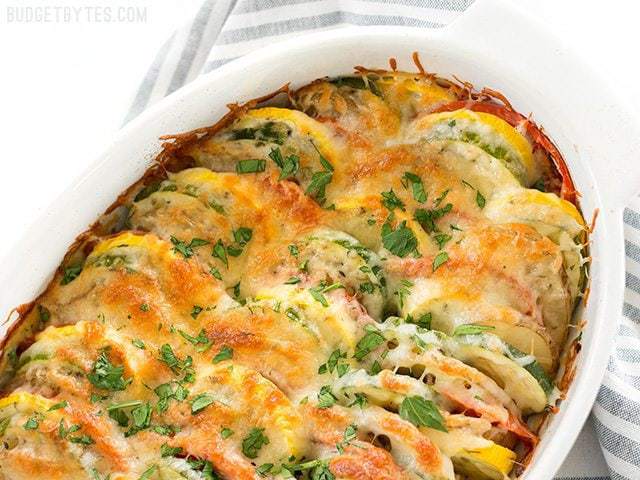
(375, 281)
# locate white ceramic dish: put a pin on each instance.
(492, 44)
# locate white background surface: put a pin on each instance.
(65, 88)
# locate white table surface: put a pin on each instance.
(65, 88)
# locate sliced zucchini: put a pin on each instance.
(291, 358)
(384, 389)
(488, 132)
(526, 390)
(44, 438)
(323, 256)
(410, 448)
(448, 306)
(447, 309)
(267, 428)
(353, 103)
(329, 313)
(283, 141)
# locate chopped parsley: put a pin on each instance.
(201, 342)
(288, 165)
(58, 406)
(403, 292)
(368, 343)
(471, 329)
(317, 186)
(225, 353)
(391, 201)
(200, 402)
(417, 187)
(253, 442)
(70, 274)
(195, 311)
(318, 292)
(138, 343)
(480, 200)
(441, 239)
(427, 218)
(44, 315)
(177, 365)
(422, 413)
(226, 432)
(220, 252)
(326, 399)
(31, 424)
(333, 363)
(186, 249)
(440, 259)
(253, 165)
(215, 273)
(423, 320)
(107, 376)
(167, 451)
(360, 400)
(401, 241)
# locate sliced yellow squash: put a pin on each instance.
(491, 133)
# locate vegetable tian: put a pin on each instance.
(372, 279)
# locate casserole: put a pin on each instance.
(449, 53)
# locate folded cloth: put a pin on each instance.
(222, 30)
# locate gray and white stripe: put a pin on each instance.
(223, 30)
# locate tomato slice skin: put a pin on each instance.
(515, 119)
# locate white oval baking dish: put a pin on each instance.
(492, 44)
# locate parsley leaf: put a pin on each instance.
(253, 165)
(186, 249)
(440, 259)
(225, 353)
(417, 187)
(326, 399)
(427, 218)
(220, 252)
(288, 165)
(107, 376)
(332, 362)
(167, 451)
(480, 200)
(201, 402)
(318, 185)
(401, 241)
(422, 413)
(403, 292)
(423, 320)
(58, 406)
(253, 442)
(31, 424)
(368, 343)
(471, 329)
(70, 274)
(391, 201)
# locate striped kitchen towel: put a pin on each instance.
(609, 445)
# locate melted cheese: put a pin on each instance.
(354, 288)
